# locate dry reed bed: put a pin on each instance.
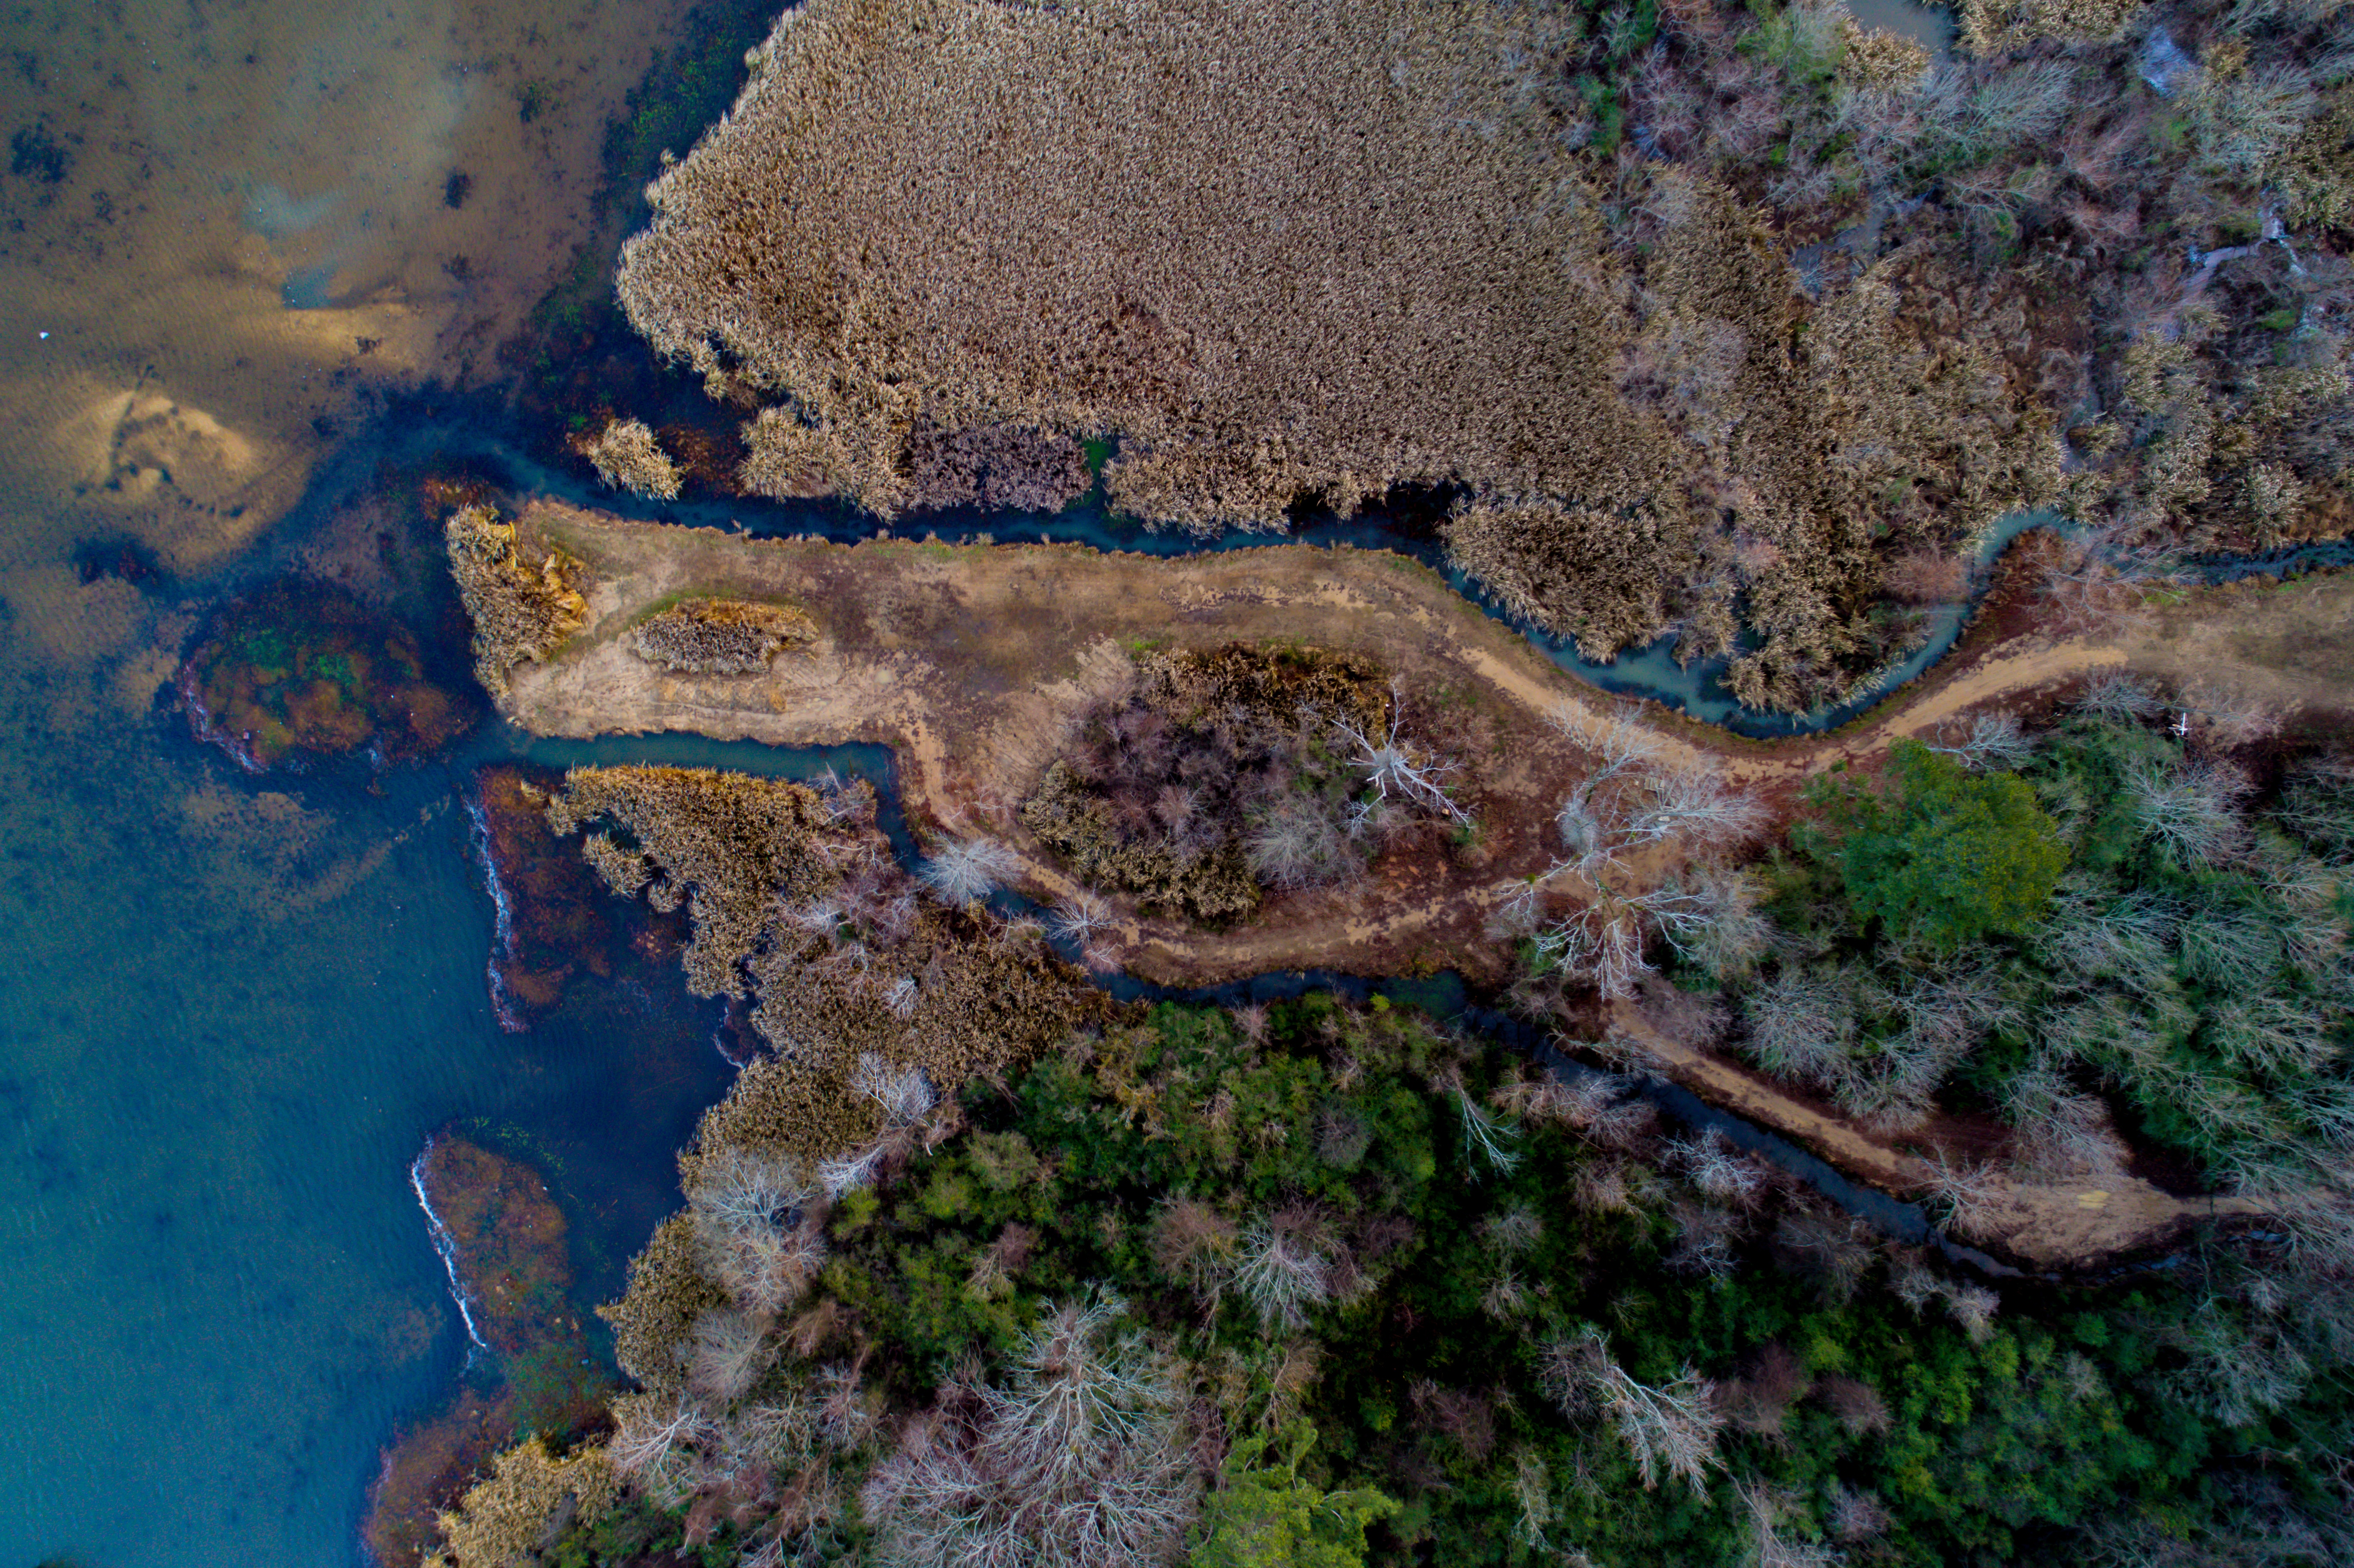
(1290, 249)
(1300, 248)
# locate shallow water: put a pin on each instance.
(230, 1017)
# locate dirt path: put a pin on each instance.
(974, 662)
(2047, 1225)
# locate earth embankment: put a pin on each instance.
(975, 661)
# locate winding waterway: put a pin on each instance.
(232, 1012)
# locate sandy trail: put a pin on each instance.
(974, 662)
(2045, 1225)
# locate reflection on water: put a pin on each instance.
(410, 175)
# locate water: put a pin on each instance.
(231, 1017)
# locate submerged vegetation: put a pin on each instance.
(503, 1243)
(303, 670)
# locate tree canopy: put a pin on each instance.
(1945, 855)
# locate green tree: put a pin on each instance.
(1945, 855)
(1266, 1517)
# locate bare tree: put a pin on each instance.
(1493, 1138)
(903, 1093)
(1599, 942)
(1195, 1242)
(1970, 1196)
(1630, 802)
(1398, 769)
(1991, 740)
(651, 1429)
(1802, 1025)
(1627, 803)
(2061, 1132)
(2100, 578)
(1081, 918)
(1711, 919)
(2193, 814)
(1719, 1171)
(1973, 1308)
(727, 1354)
(964, 871)
(2238, 1368)
(1857, 1516)
(1669, 1430)
(756, 1226)
(1285, 1265)
(1078, 1463)
(2120, 699)
(1770, 1542)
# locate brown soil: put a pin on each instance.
(974, 662)
(2041, 1224)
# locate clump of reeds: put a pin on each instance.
(720, 636)
(728, 845)
(627, 454)
(522, 609)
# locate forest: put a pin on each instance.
(1316, 1283)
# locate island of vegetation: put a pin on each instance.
(1744, 327)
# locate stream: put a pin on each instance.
(1649, 672)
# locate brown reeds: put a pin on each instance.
(720, 636)
(525, 602)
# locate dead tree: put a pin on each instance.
(1401, 771)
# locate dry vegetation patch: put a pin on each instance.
(1283, 248)
(1216, 771)
(720, 636)
(1713, 317)
(628, 454)
(523, 610)
(798, 907)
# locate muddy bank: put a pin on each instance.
(973, 662)
(228, 230)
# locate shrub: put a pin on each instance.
(719, 637)
(1263, 1516)
(1943, 856)
(1285, 1264)
(503, 1518)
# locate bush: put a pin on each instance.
(1943, 856)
